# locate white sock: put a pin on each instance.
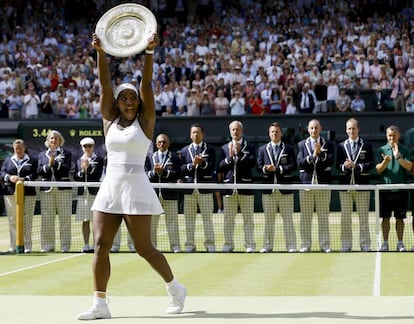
(173, 285)
(99, 301)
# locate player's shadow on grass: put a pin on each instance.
(298, 315)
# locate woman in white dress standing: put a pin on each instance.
(126, 193)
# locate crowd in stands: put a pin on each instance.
(244, 57)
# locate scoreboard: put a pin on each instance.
(34, 133)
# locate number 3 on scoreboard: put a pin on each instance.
(40, 132)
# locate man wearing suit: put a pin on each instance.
(197, 166)
(181, 71)
(237, 160)
(354, 161)
(306, 100)
(276, 160)
(315, 159)
(379, 100)
(163, 166)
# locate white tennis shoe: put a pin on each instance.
(95, 312)
(178, 295)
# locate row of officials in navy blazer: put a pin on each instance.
(276, 161)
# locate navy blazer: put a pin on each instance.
(238, 169)
(27, 170)
(170, 174)
(322, 163)
(285, 164)
(93, 173)
(59, 171)
(364, 161)
(204, 172)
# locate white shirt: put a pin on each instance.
(30, 103)
(237, 106)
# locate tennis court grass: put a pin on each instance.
(238, 274)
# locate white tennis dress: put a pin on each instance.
(126, 188)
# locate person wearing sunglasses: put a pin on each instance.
(88, 168)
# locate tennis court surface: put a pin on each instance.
(150, 310)
(222, 288)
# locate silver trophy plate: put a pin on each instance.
(124, 30)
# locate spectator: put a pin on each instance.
(362, 70)
(399, 85)
(332, 95)
(4, 106)
(274, 53)
(409, 98)
(306, 100)
(181, 112)
(46, 108)
(343, 102)
(30, 104)
(61, 110)
(357, 104)
(71, 108)
(321, 94)
(290, 108)
(180, 96)
(85, 108)
(237, 104)
(277, 102)
(15, 105)
(380, 97)
(256, 104)
(193, 103)
(221, 104)
(95, 111)
(166, 98)
(206, 104)
(73, 91)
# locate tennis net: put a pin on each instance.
(238, 218)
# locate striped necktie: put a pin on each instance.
(354, 149)
(276, 151)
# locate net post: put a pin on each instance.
(19, 196)
(378, 231)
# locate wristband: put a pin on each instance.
(149, 52)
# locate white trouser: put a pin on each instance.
(320, 106)
(56, 202)
(361, 199)
(285, 204)
(311, 200)
(29, 206)
(171, 223)
(231, 204)
(206, 204)
(83, 208)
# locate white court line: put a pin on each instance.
(40, 265)
(377, 275)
